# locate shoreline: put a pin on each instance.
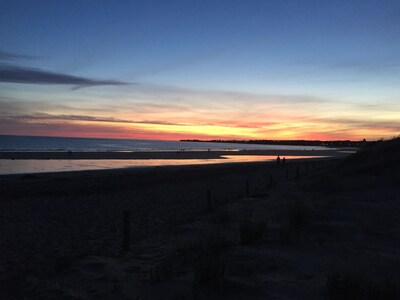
(50, 162)
(165, 154)
(140, 170)
(15, 186)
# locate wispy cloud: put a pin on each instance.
(18, 127)
(26, 75)
(43, 117)
(9, 56)
(12, 106)
(179, 93)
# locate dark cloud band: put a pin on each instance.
(15, 74)
(43, 117)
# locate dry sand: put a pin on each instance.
(318, 235)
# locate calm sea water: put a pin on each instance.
(39, 143)
(35, 143)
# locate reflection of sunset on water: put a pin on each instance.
(61, 165)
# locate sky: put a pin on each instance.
(171, 70)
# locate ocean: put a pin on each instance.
(41, 143)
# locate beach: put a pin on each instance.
(181, 154)
(199, 150)
(236, 231)
(29, 162)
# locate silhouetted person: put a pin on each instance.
(278, 160)
(283, 160)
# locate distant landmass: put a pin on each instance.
(344, 143)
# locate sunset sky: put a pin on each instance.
(200, 69)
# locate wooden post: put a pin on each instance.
(126, 231)
(247, 188)
(209, 201)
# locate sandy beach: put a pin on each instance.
(44, 162)
(306, 230)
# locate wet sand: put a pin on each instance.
(165, 154)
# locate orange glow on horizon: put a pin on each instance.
(121, 130)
